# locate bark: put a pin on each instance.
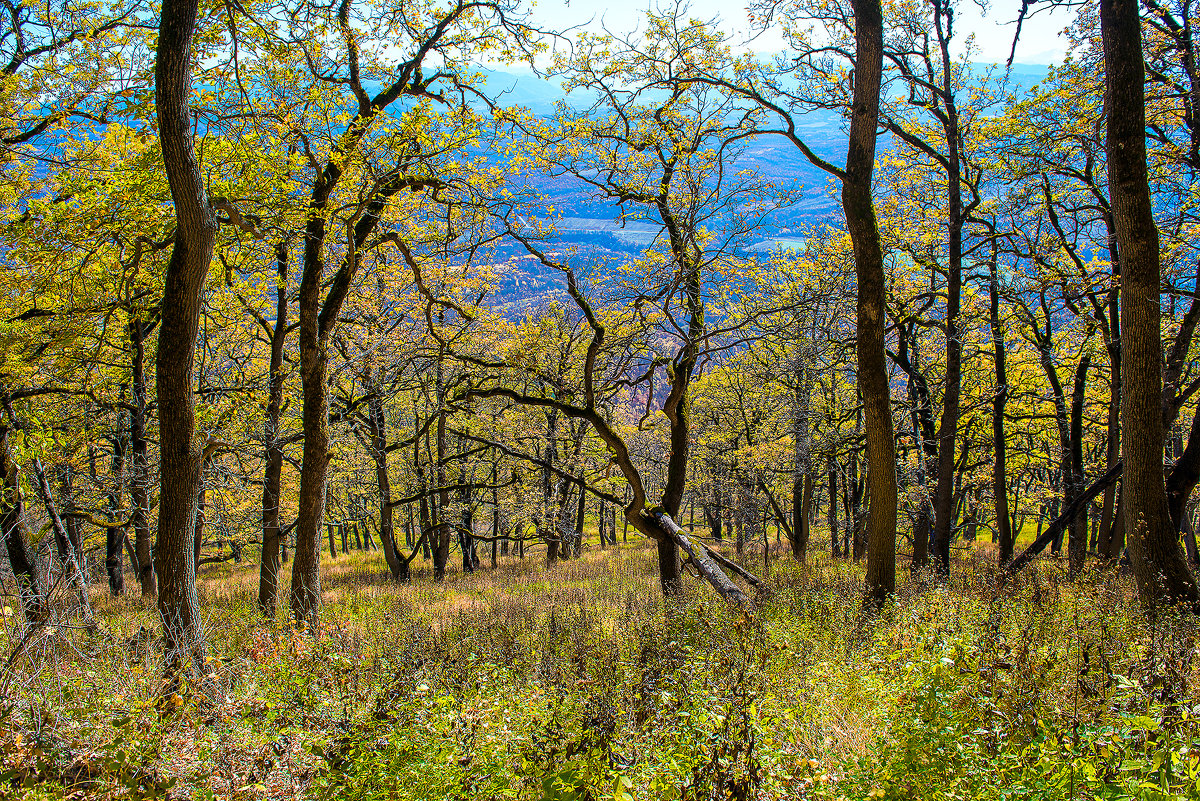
(871, 309)
(268, 574)
(33, 600)
(114, 564)
(833, 515)
(1159, 565)
(377, 431)
(68, 556)
(1077, 538)
(1004, 532)
(139, 484)
(180, 454)
(700, 557)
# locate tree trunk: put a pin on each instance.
(199, 531)
(68, 557)
(547, 522)
(180, 454)
(833, 515)
(1004, 530)
(706, 561)
(1159, 565)
(802, 447)
(139, 484)
(377, 430)
(268, 574)
(29, 589)
(74, 533)
(1184, 474)
(580, 512)
(944, 510)
(466, 539)
(441, 549)
(1077, 534)
(305, 595)
(871, 305)
(114, 564)
(495, 516)
(1113, 346)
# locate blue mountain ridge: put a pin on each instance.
(588, 227)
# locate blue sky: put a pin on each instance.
(1040, 41)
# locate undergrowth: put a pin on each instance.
(576, 684)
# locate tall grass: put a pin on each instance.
(577, 683)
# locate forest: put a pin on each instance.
(433, 400)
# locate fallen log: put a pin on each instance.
(733, 567)
(1060, 523)
(702, 558)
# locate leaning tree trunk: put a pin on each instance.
(268, 573)
(868, 262)
(174, 559)
(1159, 565)
(68, 558)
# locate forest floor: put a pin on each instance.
(576, 683)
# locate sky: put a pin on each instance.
(1040, 41)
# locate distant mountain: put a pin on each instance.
(523, 88)
(587, 224)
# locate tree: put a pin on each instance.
(817, 76)
(448, 38)
(868, 264)
(1159, 565)
(655, 145)
(174, 557)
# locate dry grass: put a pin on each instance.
(587, 635)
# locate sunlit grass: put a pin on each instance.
(499, 679)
